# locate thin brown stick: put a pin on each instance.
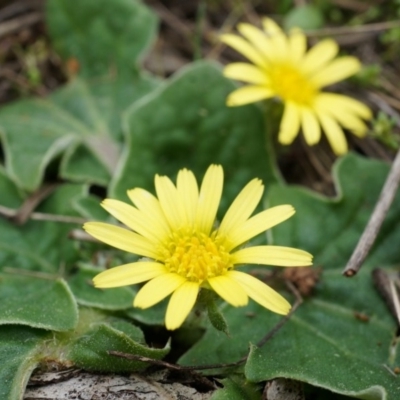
(386, 198)
(10, 213)
(278, 326)
(348, 30)
(135, 357)
(375, 222)
(175, 367)
(353, 5)
(32, 274)
(172, 20)
(389, 370)
(321, 169)
(379, 100)
(58, 218)
(81, 236)
(385, 283)
(15, 24)
(395, 297)
(32, 202)
(23, 82)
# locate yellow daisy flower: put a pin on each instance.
(282, 68)
(183, 249)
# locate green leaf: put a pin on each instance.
(187, 124)
(11, 196)
(324, 343)
(154, 315)
(38, 303)
(79, 164)
(91, 350)
(80, 121)
(100, 34)
(132, 331)
(18, 347)
(305, 17)
(216, 317)
(87, 295)
(235, 389)
(89, 207)
(41, 245)
(333, 349)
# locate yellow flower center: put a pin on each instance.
(291, 85)
(196, 256)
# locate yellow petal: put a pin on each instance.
(150, 207)
(245, 48)
(352, 123)
(229, 290)
(290, 124)
(189, 193)
(180, 304)
(170, 202)
(334, 133)
(341, 102)
(258, 39)
(261, 293)
(272, 255)
(319, 55)
(257, 224)
(157, 289)
(345, 116)
(128, 274)
(248, 94)
(278, 39)
(271, 27)
(122, 239)
(242, 207)
(297, 45)
(134, 219)
(310, 125)
(336, 71)
(209, 198)
(246, 73)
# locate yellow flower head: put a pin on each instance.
(185, 251)
(282, 68)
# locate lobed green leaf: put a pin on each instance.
(91, 350)
(101, 35)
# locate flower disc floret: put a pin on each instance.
(290, 84)
(196, 256)
(173, 231)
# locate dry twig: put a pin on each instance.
(349, 30)
(16, 24)
(374, 224)
(10, 213)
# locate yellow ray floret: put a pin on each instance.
(281, 67)
(176, 232)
